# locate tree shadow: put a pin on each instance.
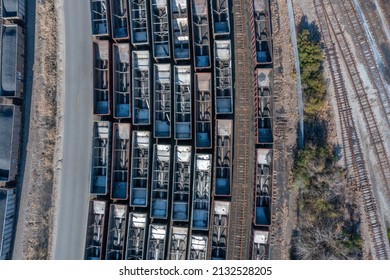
(312, 27)
(337, 151)
(316, 131)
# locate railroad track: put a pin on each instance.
(361, 94)
(242, 197)
(368, 59)
(367, 55)
(353, 154)
(374, 23)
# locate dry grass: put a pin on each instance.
(38, 181)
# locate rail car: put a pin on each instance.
(13, 10)
(119, 20)
(201, 34)
(162, 101)
(141, 87)
(121, 80)
(160, 181)
(160, 29)
(180, 30)
(178, 239)
(201, 191)
(101, 78)
(139, 182)
(223, 158)
(156, 242)
(198, 247)
(260, 246)
(220, 15)
(181, 184)
(264, 106)
(12, 61)
(223, 81)
(116, 232)
(139, 22)
(100, 12)
(120, 161)
(203, 111)
(100, 169)
(136, 236)
(262, 32)
(183, 102)
(94, 241)
(263, 187)
(220, 230)
(10, 124)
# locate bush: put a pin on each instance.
(326, 229)
(311, 59)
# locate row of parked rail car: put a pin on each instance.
(223, 138)
(115, 233)
(138, 20)
(11, 96)
(262, 47)
(133, 93)
(148, 185)
(134, 175)
(163, 20)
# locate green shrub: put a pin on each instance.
(311, 59)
